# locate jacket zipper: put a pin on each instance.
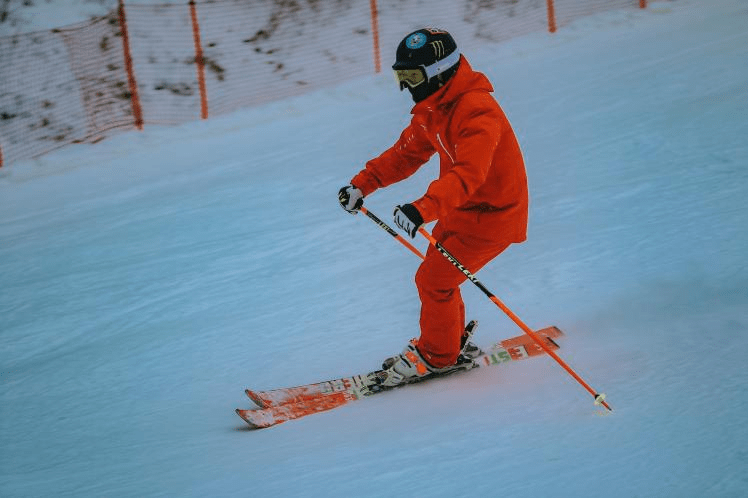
(439, 139)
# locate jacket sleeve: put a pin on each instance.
(397, 163)
(478, 126)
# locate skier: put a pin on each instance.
(480, 198)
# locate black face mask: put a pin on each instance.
(420, 92)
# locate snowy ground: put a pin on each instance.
(147, 280)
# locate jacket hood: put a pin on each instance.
(465, 80)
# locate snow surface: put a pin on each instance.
(147, 280)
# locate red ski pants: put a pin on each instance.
(438, 282)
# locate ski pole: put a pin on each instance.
(599, 397)
(384, 226)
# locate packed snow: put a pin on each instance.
(145, 281)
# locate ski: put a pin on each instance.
(280, 405)
(300, 394)
(266, 399)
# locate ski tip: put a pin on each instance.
(256, 399)
(551, 332)
(246, 415)
(240, 412)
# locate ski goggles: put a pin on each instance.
(410, 77)
(414, 77)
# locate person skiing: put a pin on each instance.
(480, 199)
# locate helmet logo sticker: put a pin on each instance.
(438, 47)
(416, 40)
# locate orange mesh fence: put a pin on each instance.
(163, 56)
(95, 54)
(60, 87)
(173, 63)
(269, 50)
(570, 10)
(36, 79)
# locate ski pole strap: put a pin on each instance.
(384, 226)
(599, 398)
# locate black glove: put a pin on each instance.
(408, 218)
(351, 199)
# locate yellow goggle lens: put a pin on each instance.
(410, 77)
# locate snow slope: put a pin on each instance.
(146, 280)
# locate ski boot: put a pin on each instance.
(467, 348)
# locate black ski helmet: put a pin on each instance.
(434, 52)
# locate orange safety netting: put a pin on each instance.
(60, 87)
(173, 63)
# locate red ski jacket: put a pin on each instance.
(482, 184)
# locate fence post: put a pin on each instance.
(199, 62)
(375, 34)
(551, 16)
(132, 84)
